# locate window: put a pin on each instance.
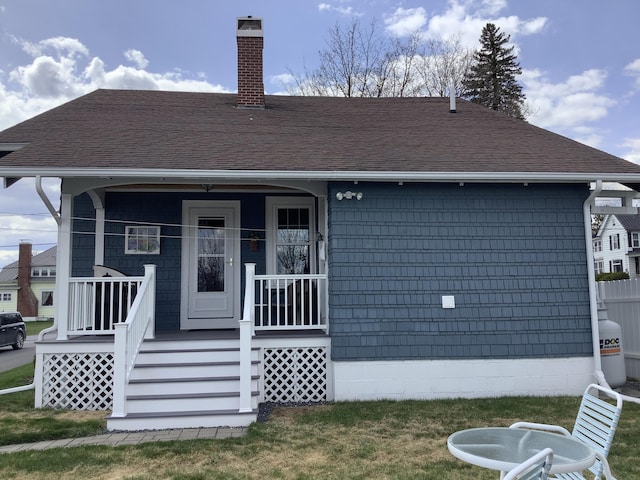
(47, 299)
(616, 265)
(5, 296)
(599, 266)
(614, 241)
(597, 246)
(43, 272)
(291, 227)
(142, 240)
(635, 239)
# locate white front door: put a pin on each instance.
(210, 265)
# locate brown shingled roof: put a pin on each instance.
(124, 129)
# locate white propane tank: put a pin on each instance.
(611, 353)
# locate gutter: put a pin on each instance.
(330, 175)
(591, 274)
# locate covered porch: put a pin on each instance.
(231, 309)
(112, 359)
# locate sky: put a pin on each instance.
(580, 62)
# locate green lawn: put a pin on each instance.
(346, 440)
(34, 328)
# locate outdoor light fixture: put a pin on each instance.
(349, 195)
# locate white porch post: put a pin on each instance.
(99, 239)
(245, 338)
(63, 267)
(38, 375)
(119, 370)
(150, 332)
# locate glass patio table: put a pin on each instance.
(501, 448)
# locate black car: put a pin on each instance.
(12, 330)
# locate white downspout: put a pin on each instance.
(46, 201)
(591, 274)
(56, 217)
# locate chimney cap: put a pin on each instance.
(249, 27)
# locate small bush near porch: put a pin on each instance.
(356, 440)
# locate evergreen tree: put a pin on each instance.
(491, 80)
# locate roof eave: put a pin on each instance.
(336, 175)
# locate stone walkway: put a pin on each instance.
(131, 438)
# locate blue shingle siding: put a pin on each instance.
(83, 239)
(513, 256)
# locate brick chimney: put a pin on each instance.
(27, 301)
(250, 81)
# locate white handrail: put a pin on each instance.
(129, 336)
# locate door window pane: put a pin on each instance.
(210, 274)
(211, 254)
(293, 241)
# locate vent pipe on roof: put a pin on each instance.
(452, 98)
(250, 77)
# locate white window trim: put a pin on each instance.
(271, 223)
(42, 298)
(153, 234)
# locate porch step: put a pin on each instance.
(170, 371)
(168, 420)
(162, 386)
(185, 402)
(187, 383)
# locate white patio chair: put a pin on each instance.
(595, 426)
(534, 468)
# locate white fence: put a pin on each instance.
(622, 300)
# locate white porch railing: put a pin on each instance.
(277, 302)
(290, 302)
(129, 335)
(97, 304)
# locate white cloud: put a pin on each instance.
(492, 7)
(463, 19)
(71, 46)
(61, 70)
(633, 70)
(340, 8)
(569, 106)
(633, 146)
(137, 58)
(404, 22)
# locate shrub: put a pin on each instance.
(608, 277)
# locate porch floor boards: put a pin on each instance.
(228, 334)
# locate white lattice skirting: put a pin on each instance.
(78, 381)
(295, 374)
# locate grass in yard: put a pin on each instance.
(351, 440)
(20, 422)
(34, 328)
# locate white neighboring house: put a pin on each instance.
(28, 284)
(616, 246)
